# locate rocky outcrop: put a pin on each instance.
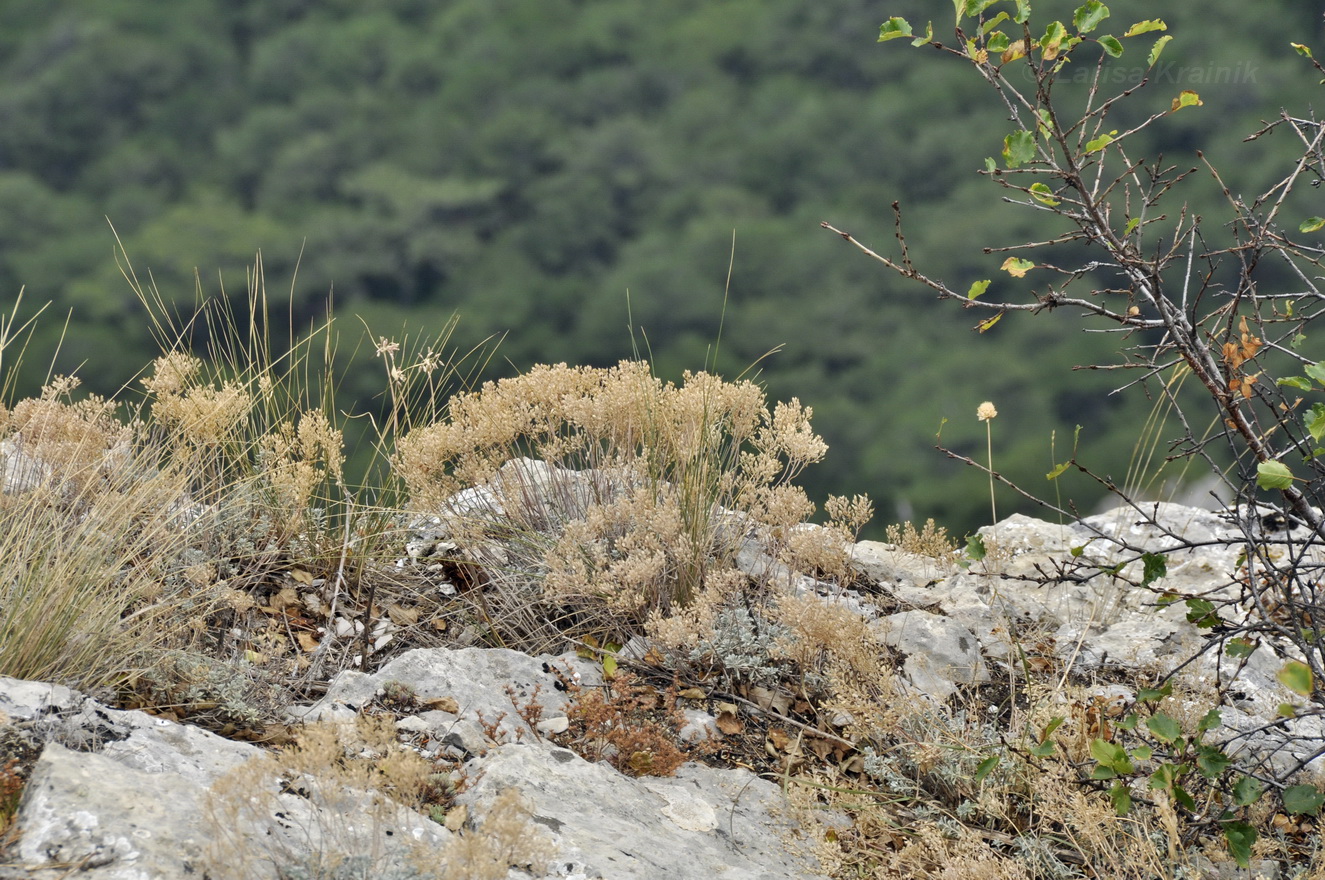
(121, 794)
(1041, 587)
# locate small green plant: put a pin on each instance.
(1176, 760)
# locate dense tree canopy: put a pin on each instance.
(529, 162)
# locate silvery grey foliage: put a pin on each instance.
(743, 643)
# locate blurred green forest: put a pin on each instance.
(527, 162)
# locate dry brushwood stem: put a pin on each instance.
(629, 663)
(946, 292)
(319, 655)
(1144, 278)
(1196, 354)
(808, 728)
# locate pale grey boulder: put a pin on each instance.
(109, 820)
(118, 793)
(490, 686)
(131, 800)
(1044, 584)
(939, 652)
(703, 823)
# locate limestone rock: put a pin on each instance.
(488, 686)
(704, 822)
(940, 652)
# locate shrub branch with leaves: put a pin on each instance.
(1233, 308)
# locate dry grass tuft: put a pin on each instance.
(606, 494)
(930, 540)
(90, 528)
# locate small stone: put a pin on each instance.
(553, 726)
(412, 724)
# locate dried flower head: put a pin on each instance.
(986, 411)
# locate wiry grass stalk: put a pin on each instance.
(89, 524)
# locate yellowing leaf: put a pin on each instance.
(1099, 143)
(1017, 267)
(986, 324)
(1296, 676)
(1301, 50)
(1019, 49)
(1018, 148)
(1312, 224)
(1187, 98)
(1043, 194)
(1052, 40)
(1141, 27)
(977, 288)
(1157, 49)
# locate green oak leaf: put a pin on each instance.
(1089, 15)
(1099, 143)
(1018, 147)
(893, 29)
(1300, 799)
(1273, 475)
(1239, 836)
